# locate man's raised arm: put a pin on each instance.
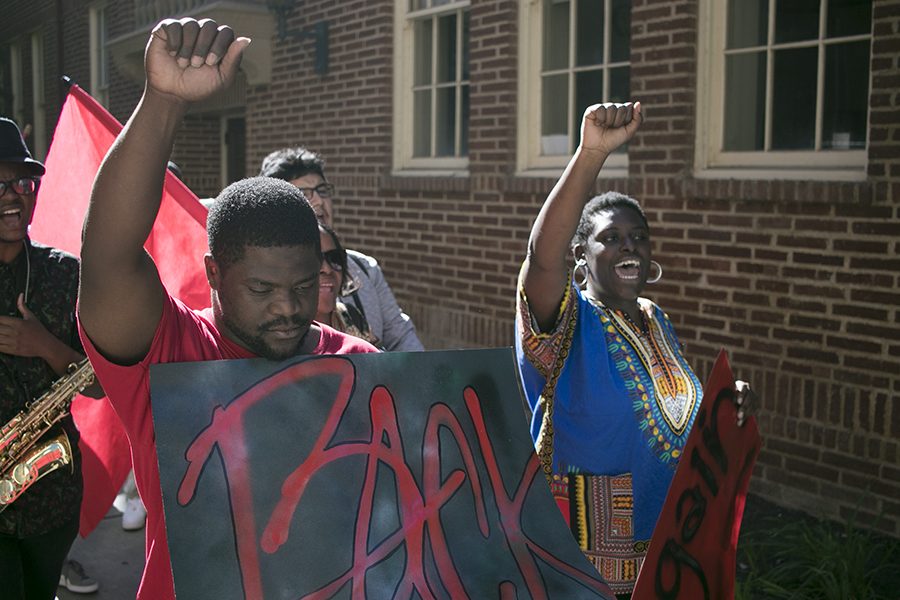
(121, 296)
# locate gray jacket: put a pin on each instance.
(376, 300)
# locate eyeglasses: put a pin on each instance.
(22, 186)
(324, 190)
(334, 259)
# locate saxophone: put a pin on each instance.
(21, 465)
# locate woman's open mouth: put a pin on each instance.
(629, 269)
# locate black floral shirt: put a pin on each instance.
(52, 283)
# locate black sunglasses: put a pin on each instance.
(333, 258)
(22, 186)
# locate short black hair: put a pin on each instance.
(261, 212)
(292, 163)
(603, 202)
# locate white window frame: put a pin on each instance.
(712, 161)
(99, 36)
(529, 159)
(404, 63)
(39, 101)
(16, 75)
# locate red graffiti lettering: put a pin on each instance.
(420, 531)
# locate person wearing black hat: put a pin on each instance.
(38, 341)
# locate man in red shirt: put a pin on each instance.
(263, 265)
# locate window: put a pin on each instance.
(99, 55)
(17, 83)
(38, 105)
(574, 53)
(432, 85)
(788, 86)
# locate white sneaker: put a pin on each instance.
(135, 515)
(120, 502)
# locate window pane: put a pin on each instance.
(101, 50)
(554, 115)
(846, 95)
(464, 123)
(796, 20)
(745, 101)
(556, 35)
(589, 35)
(619, 85)
(588, 91)
(422, 69)
(794, 99)
(465, 47)
(422, 4)
(619, 91)
(445, 122)
(849, 17)
(748, 23)
(422, 123)
(620, 31)
(446, 48)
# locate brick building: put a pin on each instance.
(769, 166)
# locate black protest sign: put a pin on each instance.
(365, 476)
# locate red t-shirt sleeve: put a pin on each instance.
(336, 342)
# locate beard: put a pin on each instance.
(256, 342)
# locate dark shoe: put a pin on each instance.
(74, 579)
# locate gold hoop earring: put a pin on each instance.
(658, 275)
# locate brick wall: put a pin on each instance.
(198, 153)
(797, 279)
(123, 92)
(76, 54)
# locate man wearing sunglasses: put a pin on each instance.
(373, 297)
(38, 341)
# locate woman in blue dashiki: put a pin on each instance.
(612, 397)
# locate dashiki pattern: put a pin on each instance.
(609, 426)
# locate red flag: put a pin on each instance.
(83, 134)
(693, 549)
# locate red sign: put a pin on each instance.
(83, 135)
(692, 552)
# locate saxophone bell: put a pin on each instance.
(20, 466)
(49, 457)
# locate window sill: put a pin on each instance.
(787, 173)
(427, 180)
(607, 172)
(755, 185)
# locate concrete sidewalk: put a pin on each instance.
(112, 556)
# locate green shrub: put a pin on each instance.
(804, 558)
